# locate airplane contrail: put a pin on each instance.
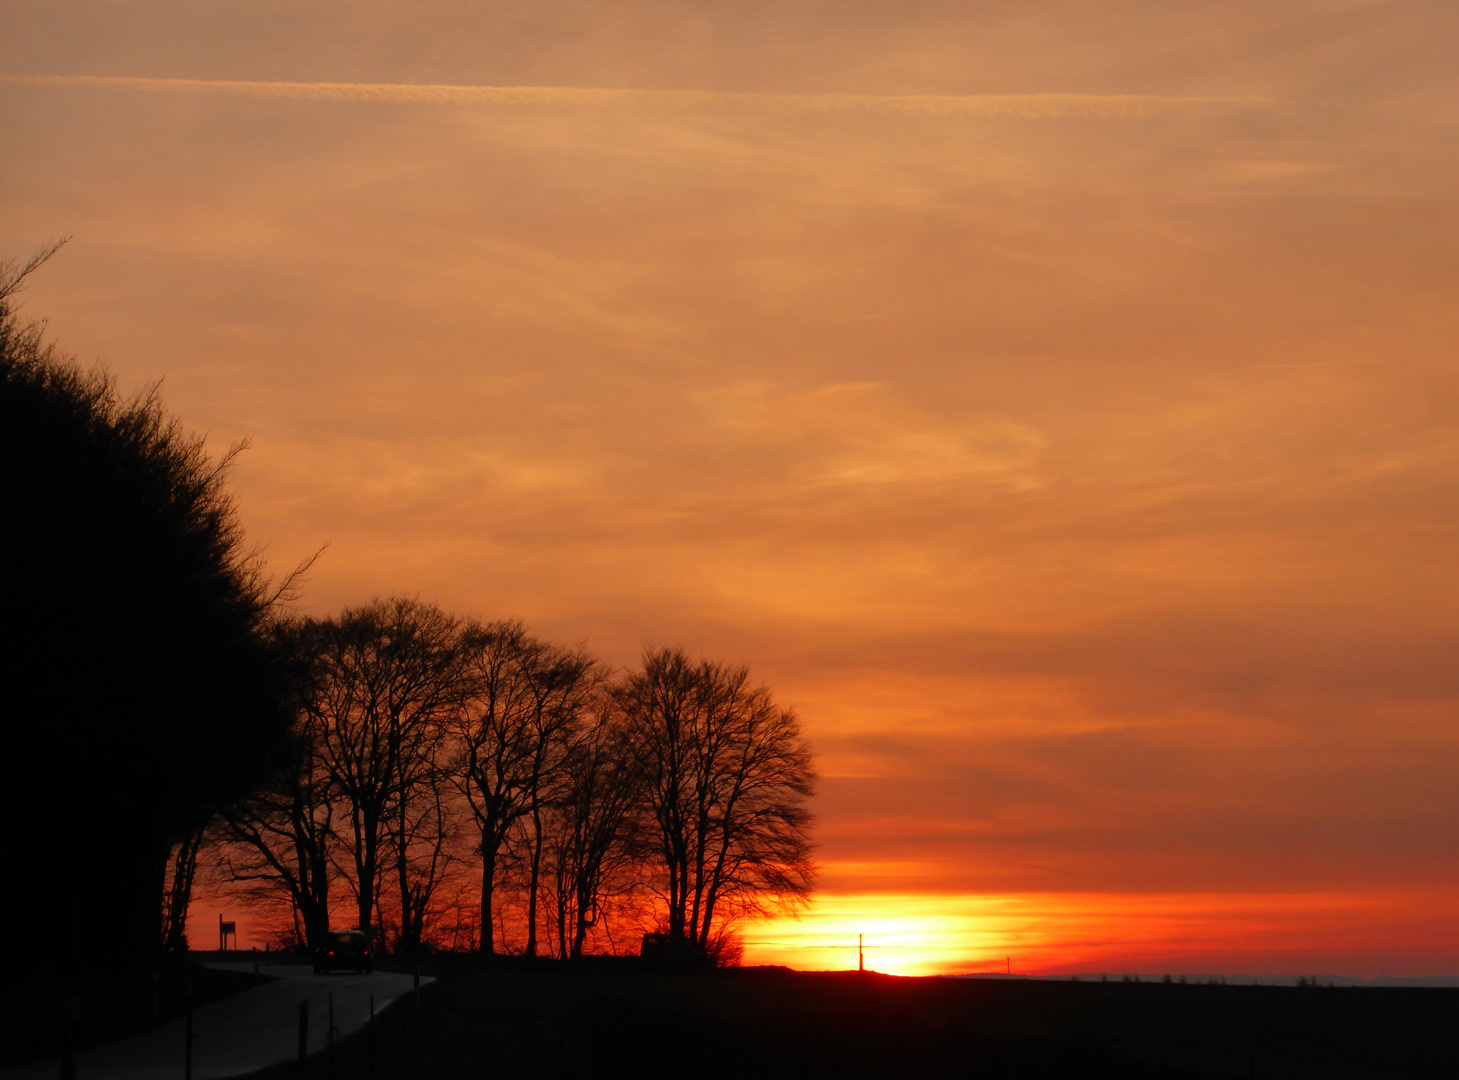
(1032, 106)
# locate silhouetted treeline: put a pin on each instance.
(450, 782)
(467, 785)
(140, 689)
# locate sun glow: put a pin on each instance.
(899, 934)
(1051, 934)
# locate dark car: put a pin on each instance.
(343, 949)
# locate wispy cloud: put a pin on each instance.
(859, 434)
(1029, 106)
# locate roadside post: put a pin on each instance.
(68, 1038)
(187, 1052)
(303, 1030)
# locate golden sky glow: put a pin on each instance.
(1057, 403)
(1353, 932)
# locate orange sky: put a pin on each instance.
(1058, 404)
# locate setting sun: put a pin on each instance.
(1102, 934)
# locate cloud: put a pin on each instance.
(860, 434)
(1028, 106)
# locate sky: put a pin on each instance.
(1056, 403)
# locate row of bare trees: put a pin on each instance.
(444, 771)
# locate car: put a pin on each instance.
(344, 949)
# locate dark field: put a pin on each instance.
(613, 1020)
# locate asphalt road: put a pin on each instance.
(240, 1034)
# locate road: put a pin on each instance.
(240, 1034)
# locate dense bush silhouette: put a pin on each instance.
(140, 691)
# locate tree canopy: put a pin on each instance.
(141, 689)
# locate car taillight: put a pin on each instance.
(331, 952)
(367, 952)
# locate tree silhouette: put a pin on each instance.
(177, 889)
(593, 824)
(526, 700)
(278, 842)
(140, 688)
(727, 777)
(494, 768)
(387, 684)
(562, 686)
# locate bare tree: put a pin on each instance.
(422, 836)
(388, 683)
(727, 779)
(562, 683)
(278, 843)
(592, 825)
(182, 869)
(494, 769)
(526, 697)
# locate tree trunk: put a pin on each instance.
(182, 870)
(316, 909)
(563, 902)
(488, 886)
(533, 883)
(586, 892)
(408, 934)
(365, 867)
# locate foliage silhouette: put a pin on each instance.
(727, 779)
(593, 824)
(527, 705)
(386, 683)
(141, 688)
(279, 840)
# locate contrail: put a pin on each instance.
(1032, 106)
